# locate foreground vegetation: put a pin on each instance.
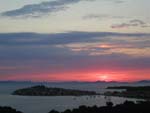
(140, 92)
(8, 110)
(126, 107)
(46, 91)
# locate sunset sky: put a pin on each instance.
(74, 40)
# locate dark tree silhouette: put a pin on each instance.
(53, 111)
(8, 110)
(126, 107)
(109, 104)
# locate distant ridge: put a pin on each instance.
(72, 82)
(76, 82)
(143, 81)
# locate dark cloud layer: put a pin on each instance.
(58, 38)
(42, 46)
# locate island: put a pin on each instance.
(139, 92)
(42, 90)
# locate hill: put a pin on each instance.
(41, 90)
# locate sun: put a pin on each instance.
(103, 77)
(105, 46)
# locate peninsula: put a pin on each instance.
(42, 90)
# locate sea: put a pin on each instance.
(44, 104)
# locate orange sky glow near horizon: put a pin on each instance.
(108, 76)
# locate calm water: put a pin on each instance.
(29, 104)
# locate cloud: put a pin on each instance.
(37, 10)
(119, 1)
(45, 8)
(131, 23)
(116, 1)
(102, 16)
